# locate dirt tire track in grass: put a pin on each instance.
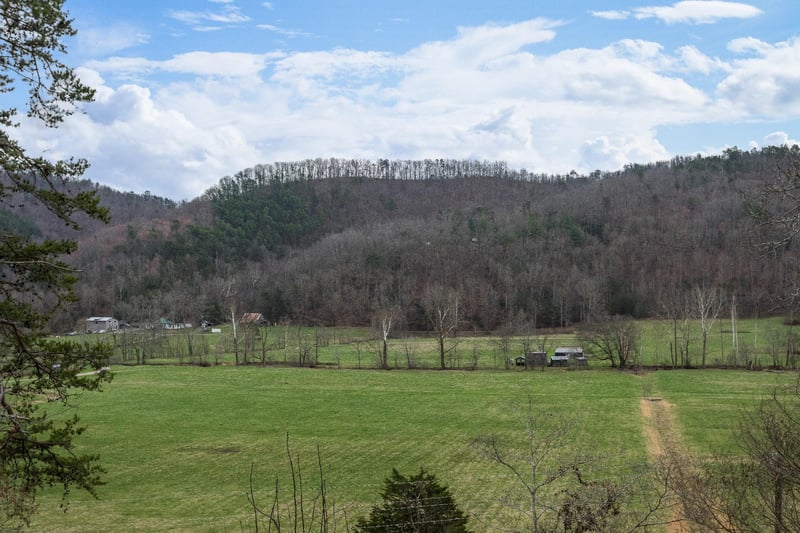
(662, 440)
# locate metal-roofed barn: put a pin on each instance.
(101, 324)
(531, 359)
(568, 356)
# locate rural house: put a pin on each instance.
(256, 319)
(101, 324)
(568, 356)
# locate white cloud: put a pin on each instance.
(749, 45)
(625, 73)
(686, 11)
(776, 138)
(605, 152)
(698, 11)
(478, 45)
(487, 93)
(768, 84)
(780, 138)
(134, 142)
(690, 59)
(225, 64)
(229, 14)
(127, 103)
(292, 34)
(612, 15)
(342, 62)
(110, 39)
(228, 64)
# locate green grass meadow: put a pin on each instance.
(761, 344)
(178, 442)
(709, 404)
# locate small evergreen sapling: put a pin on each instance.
(415, 504)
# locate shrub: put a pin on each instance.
(415, 504)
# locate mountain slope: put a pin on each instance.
(330, 241)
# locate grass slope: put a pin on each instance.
(179, 442)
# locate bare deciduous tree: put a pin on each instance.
(776, 205)
(759, 490)
(383, 322)
(708, 303)
(734, 329)
(553, 493)
(537, 468)
(442, 310)
(616, 340)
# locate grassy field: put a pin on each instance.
(762, 343)
(179, 441)
(710, 403)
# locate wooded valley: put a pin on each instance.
(333, 242)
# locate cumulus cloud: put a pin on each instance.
(354, 64)
(482, 44)
(690, 59)
(776, 138)
(780, 138)
(135, 142)
(127, 103)
(612, 15)
(615, 152)
(178, 125)
(225, 64)
(228, 64)
(687, 11)
(745, 45)
(624, 73)
(767, 84)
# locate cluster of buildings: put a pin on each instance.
(105, 324)
(564, 356)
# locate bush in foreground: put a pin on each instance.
(415, 504)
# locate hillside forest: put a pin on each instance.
(338, 242)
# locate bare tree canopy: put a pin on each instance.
(615, 340)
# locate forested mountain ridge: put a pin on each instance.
(126, 207)
(333, 241)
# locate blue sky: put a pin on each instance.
(189, 91)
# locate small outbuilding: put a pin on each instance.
(165, 323)
(101, 324)
(531, 359)
(568, 356)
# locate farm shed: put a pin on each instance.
(568, 356)
(531, 359)
(101, 324)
